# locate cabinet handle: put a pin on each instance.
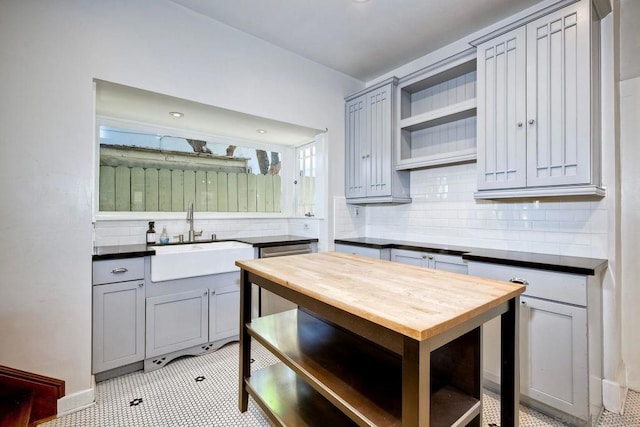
(519, 281)
(531, 121)
(119, 270)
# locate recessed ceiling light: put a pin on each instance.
(261, 131)
(360, 1)
(176, 114)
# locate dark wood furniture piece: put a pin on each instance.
(374, 343)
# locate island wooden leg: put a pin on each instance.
(245, 339)
(416, 376)
(510, 376)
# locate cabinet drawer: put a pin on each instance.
(384, 253)
(561, 287)
(118, 270)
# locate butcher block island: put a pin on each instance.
(374, 343)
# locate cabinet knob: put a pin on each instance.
(519, 124)
(424, 256)
(523, 302)
(430, 256)
(531, 121)
(206, 293)
(140, 285)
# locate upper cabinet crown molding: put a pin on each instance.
(602, 9)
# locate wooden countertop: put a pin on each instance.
(416, 302)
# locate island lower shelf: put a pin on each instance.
(330, 376)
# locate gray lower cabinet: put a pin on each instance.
(446, 262)
(118, 313)
(553, 337)
(560, 341)
(190, 316)
(177, 321)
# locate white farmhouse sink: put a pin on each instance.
(197, 259)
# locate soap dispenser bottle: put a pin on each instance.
(151, 233)
(164, 237)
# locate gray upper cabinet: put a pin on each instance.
(370, 175)
(538, 91)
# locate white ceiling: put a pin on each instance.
(363, 40)
(360, 39)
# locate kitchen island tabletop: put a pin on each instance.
(375, 342)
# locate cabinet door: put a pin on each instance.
(118, 325)
(379, 136)
(501, 93)
(177, 321)
(452, 263)
(559, 98)
(419, 259)
(224, 312)
(553, 338)
(356, 148)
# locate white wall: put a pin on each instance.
(49, 54)
(630, 187)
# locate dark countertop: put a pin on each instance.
(101, 253)
(121, 251)
(559, 263)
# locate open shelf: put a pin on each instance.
(289, 401)
(436, 117)
(454, 112)
(359, 378)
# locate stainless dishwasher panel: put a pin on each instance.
(269, 302)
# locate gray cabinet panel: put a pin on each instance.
(176, 321)
(554, 338)
(224, 312)
(118, 325)
(501, 112)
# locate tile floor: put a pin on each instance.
(202, 391)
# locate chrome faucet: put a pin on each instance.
(192, 234)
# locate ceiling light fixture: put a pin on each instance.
(360, 1)
(176, 114)
(261, 131)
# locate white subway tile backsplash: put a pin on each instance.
(444, 211)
